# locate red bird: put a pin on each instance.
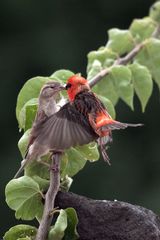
(82, 120)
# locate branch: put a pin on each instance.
(102, 219)
(124, 60)
(50, 198)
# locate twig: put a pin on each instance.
(50, 198)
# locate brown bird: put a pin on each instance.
(46, 107)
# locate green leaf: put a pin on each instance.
(23, 142)
(71, 163)
(106, 88)
(121, 77)
(36, 168)
(108, 104)
(104, 56)
(72, 221)
(24, 196)
(31, 89)
(75, 159)
(27, 114)
(142, 29)
(89, 151)
(57, 231)
(142, 82)
(61, 75)
(66, 183)
(43, 183)
(21, 232)
(120, 41)
(155, 11)
(149, 56)
(96, 68)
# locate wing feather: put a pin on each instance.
(65, 129)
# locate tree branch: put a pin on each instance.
(50, 198)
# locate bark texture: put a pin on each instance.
(111, 220)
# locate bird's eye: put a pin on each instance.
(68, 86)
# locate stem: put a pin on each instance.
(50, 198)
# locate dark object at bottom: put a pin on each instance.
(111, 220)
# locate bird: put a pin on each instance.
(83, 119)
(46, 107)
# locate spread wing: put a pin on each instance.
(66, 128)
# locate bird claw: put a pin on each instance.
(105, 157)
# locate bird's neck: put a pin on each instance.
(48, 107)
(73, 92)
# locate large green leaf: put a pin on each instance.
(121, 77)
(31, 89)
(57, 231)
(142, 29)
(104, 56)
(75, 159)
(25, 232)
(95, 69)
(61, 75)
(27, 114)
(72, 221)
(106, 88)
(38, 168)
(120, 41)
(23, 142)
(71, 163)
(24, 196)
(142, 82)
(149, 56)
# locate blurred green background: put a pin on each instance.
(40, 37)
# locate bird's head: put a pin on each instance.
(50, 90)
(75, 85)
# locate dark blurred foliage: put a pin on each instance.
(40, 37)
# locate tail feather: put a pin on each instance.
(115, 125)
(20, 170)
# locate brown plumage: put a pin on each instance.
(46, 107)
